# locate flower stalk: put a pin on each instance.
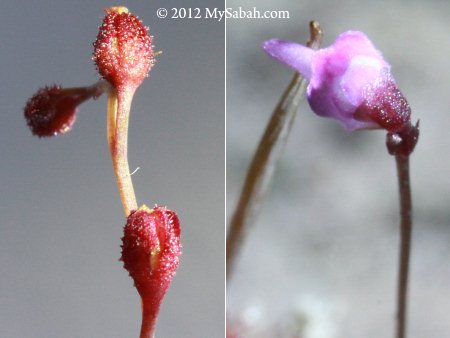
(111, 113)
(265, 159)
(119, 104)
(148, 320)
(405, 241)
(401, 145)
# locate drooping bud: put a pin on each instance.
(52, 109)
(348, 81)
(150, 252)
(123, 50)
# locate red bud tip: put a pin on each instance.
(50, 111)
(151, 250)
(385, 105)
(123, 50)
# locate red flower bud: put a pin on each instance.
(150, 253)
(123, 50)
(51, 111)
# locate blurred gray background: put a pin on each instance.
(61, 217)
(323, 254)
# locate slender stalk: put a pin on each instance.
(111, 118)
(405, 241)
(87, 92)
(148, 320)
(117, 126)
(261, 169)
(401, 144)
(266, 158)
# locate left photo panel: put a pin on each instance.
(113, 169)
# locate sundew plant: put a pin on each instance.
(124, 55)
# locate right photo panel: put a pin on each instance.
(338, 218)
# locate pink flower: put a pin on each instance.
(349, 81)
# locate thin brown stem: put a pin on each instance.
(117, 120)
(405, 241)
(401, 144)
(265, 159)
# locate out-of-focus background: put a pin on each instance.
(321, 262)
(60, 212)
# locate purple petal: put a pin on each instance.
(291, 54)
(340, 74)
(361, 71)
(348, 81)
(354, 43)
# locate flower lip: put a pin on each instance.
(292, 54)
(349, 81)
